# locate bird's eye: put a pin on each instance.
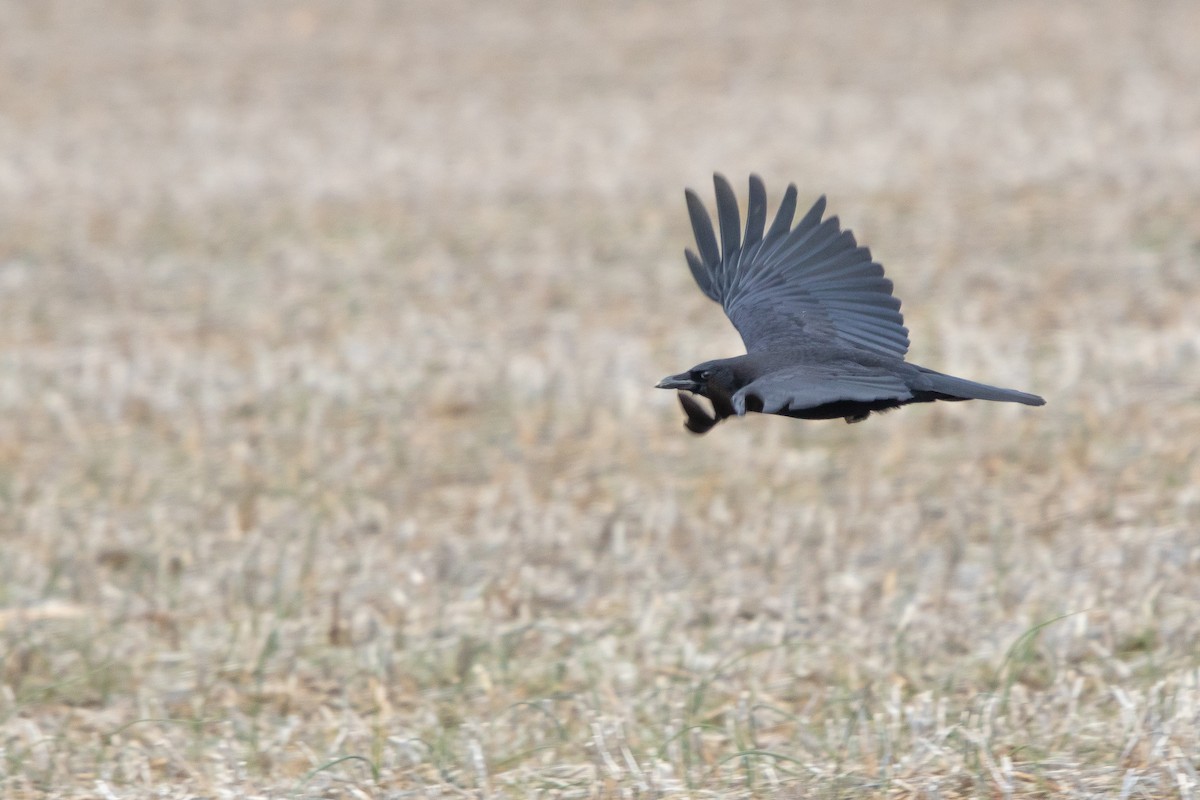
(702, 375)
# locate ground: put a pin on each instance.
(331, 463)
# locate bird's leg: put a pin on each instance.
(698, 420)
(859, 417)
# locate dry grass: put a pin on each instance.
(330, 466)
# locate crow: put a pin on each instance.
(824, 336)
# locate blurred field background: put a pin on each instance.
(331, 466)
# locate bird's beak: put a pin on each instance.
(683, 382)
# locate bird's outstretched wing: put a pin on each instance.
(792, 287)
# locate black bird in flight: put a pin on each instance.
(824, 336)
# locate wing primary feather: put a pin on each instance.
(839, 242)
(783, 216)
(843, 266)
(728, 217)
(805, 241)
(813, 217)
(701, 274)
(706, 239)
(756, 213)
(785, 246)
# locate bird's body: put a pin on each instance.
(823, 333)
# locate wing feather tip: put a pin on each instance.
(702, 228)
(756, 213)
(728, 216)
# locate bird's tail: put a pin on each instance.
(962, 389)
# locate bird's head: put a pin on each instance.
(711, 379)
(718, 381)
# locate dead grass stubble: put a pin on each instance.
(330, 466)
